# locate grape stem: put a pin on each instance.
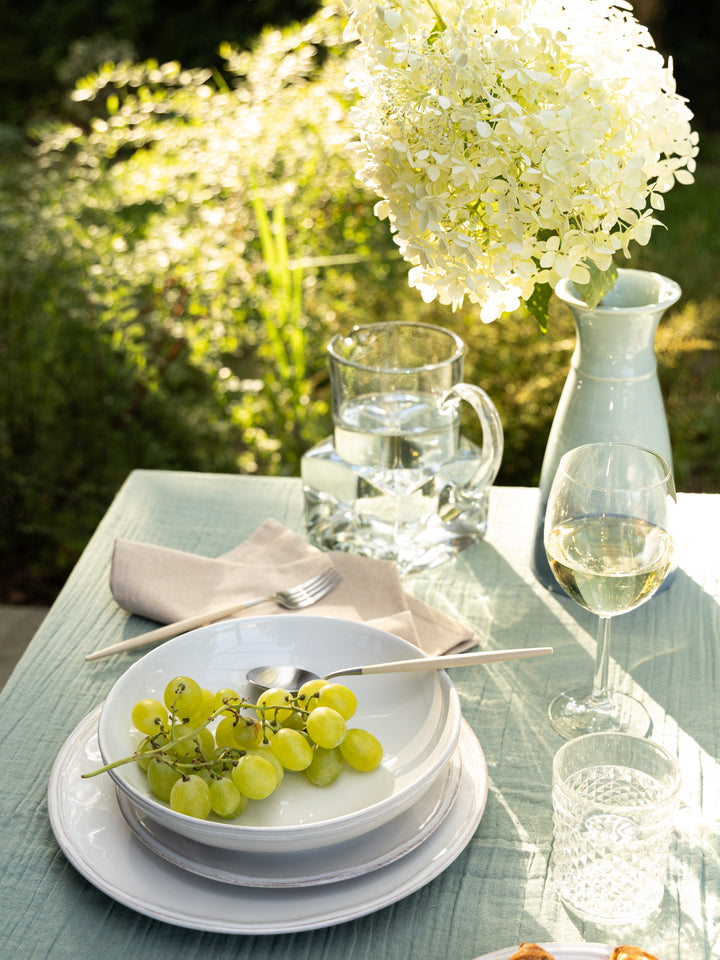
(159, 751)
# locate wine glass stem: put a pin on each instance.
(602, 661)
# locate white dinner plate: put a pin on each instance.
(560, 951)
(91, 831)
(342, 861)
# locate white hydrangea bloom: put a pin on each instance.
(512, 141)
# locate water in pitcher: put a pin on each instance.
(391, 484)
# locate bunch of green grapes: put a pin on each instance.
(210, 753)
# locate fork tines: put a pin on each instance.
(318, 585)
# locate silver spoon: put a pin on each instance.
(292, 678)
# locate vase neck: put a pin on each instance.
(615, 345)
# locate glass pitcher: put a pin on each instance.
(397, 480)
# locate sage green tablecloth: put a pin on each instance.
(500, 890)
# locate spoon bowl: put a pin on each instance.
(292, 678)
(285, 676)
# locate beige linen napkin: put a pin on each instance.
(168, 585)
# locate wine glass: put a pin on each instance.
(608, 541)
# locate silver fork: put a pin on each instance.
(303, 595)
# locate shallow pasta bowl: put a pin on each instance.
(416, 716)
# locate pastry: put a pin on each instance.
(531, 951)
(631, 953)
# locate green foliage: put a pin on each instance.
(539, 304)
(138, 326)
(46, 42)
(600, 283)
(173, 264)
(688, 341)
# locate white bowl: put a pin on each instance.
(416, 716)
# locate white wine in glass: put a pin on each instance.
(608, 539)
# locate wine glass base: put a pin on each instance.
(576, 712)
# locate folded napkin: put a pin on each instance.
(168, 585)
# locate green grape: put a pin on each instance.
(306, 694)
(292, 749)
(225, 798)
(146, 746)
(149, 715)
(268, 755)
(226, 700)
(248, 733)
(198, 748)
(207, 742)
(183, 696)
(326, 727)
(205, 709)
(186, 749)
(325, 766)
(340, 698)
(225, 732)
(296, 721)
(241, 805)
(274, 697)
(221, 760)
(191, 796)
(241, 734)
(255, 777)
(161, 778)
(361, 750)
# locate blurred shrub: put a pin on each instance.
(142, 322)
(45, 46)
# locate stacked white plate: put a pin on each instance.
(307, 856)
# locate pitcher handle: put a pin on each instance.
(492, 432)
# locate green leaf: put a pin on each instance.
(600, 283)
(436, 31)
(538, 304)
(439, 26)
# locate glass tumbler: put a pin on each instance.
(615, 797)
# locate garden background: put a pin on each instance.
(181, 235)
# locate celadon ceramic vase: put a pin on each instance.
(612, 391)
